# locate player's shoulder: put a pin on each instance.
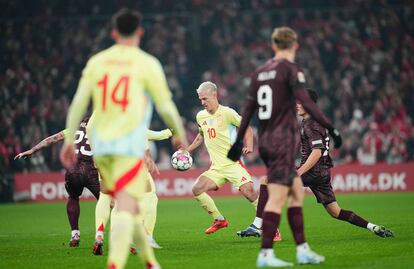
(311, 123)
(228, 110)
(202, 114)
(148, 57)
(272, 66)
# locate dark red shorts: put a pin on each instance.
(322, 189)
(83, 175)
(278, 154)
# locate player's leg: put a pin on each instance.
(271, 219)
(206, 183)
(74, 189)
(102, 214)
(128, 187)
(347, 215)
(149, 204)
(255, 229)
(102, 209)
(304, 255)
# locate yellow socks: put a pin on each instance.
(140, 239)
(208, 204)
(102, 212)
(149, 211)
(122, 230)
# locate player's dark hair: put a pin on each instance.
(313, 95)
(126, 21)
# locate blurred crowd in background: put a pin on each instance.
(356, 54)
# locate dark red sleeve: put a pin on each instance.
(310, 106)
(249, 108)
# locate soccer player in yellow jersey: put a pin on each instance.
(122, 81)
(149, 201)
(217, 128)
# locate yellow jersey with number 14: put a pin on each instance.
(122, 81)
(219, 132)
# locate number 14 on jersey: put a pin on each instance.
(119, 93)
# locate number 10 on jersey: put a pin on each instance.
(121, 88)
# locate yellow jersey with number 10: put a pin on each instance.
(219, 132)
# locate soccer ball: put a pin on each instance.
(181, 160)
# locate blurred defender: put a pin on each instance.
(315, 170)
(273, 89)
(121, 80)
(83, 175)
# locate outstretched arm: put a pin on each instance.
(310, 106)
(42, 144)
(196, 143)
(159, 135)
(236, 150)
(151, 166)
(248, 141)
(310, 161)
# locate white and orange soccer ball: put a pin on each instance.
(181, 160)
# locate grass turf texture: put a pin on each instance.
(37, 235)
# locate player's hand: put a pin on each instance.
(68, 156)
(24, 155)
(247, 150)
(179, 143)
(336, 137)
(152, 167)
(235, 151)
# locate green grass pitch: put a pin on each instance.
(37, 235)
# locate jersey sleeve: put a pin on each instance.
(296, 77)
(156, 83)
(200, 130)
(233, 117)
(159, 135)
(79, 104)
(249, 108)
(156, 86)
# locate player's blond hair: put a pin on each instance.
(207, 86)
(284, 37)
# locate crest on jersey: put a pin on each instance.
(301, 77)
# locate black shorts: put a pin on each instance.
(83, 175)
(322, 189)
(279, 157)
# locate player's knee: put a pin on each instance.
(263, 180)
(250, 194)
(197, 190)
